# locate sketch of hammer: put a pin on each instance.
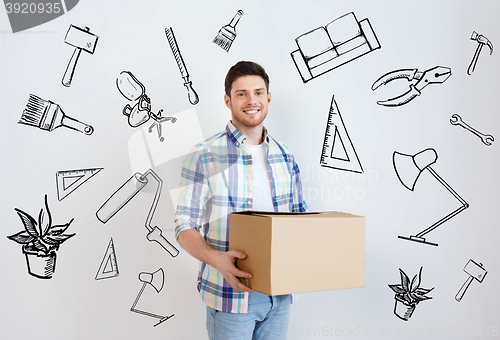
(476, 272)
(81, 39)
(482, 40)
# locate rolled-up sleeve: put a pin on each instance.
(194, 193)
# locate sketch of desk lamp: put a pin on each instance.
(408, 169)
(156, 280)
(140, 113)
(128, 191)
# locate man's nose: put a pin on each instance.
(252, 99)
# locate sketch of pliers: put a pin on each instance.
(436, 75)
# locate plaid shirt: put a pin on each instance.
(217, 180)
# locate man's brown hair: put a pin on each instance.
(244, 68)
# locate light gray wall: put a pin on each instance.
(412, 34)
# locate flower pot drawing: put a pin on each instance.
(408, 294)
(40, 240)
(40, 265)
(402, 309)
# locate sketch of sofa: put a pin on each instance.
(339, 42)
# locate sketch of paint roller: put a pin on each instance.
(128, 191)
(81, 39)
(476, 272)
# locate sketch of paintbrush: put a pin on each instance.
(47, 115)
(227, 33)
(192, 96)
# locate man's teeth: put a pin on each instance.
(252, 111)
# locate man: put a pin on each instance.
(241, 168)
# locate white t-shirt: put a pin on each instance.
(262, 192)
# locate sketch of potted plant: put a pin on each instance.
(40, 240)
(408, 295)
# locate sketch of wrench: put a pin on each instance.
(486, 139)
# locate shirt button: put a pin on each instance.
(249, 201)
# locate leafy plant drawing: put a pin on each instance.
(40, 240)
(408, 295)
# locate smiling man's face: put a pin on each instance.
(249, 102)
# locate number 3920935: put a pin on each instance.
(33, 7)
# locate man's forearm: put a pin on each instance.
(192, 242)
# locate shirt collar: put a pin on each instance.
(237, 137)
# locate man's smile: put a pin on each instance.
(251, 111)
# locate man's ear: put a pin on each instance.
(227, 100)
(269, 97)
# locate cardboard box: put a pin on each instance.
(299, 252)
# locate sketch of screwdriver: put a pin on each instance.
(192, 96)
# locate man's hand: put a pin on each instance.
(192, 241)
(225, 263)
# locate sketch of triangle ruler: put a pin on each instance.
(338, 151)
(69, 180)
(109, 266)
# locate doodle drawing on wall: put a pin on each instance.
(80, 39)
(127, 192)
(40, 240)
(227, 33)
(338, 151)
(68, 181)
(408, 168)
(419, 80)
(141, 112)
(481, 40)
(408, 294)
(476, 272)
(47, 115)
(192, 95)
(156, 280)
(109, 265)
(457, 120)
(339, 42)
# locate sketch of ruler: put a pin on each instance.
(109, 266)
(69, 180)
(338, 151)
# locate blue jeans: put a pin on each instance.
(267, 319)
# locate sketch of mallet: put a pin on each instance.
(476, 272)
(457, 120)
(192, 96)
(47, 115)
(482, 40)
(227, 33)
(128, 191)
(81, 39)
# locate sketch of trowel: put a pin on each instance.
(476, 272)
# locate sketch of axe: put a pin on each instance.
(476, 272)
(482, 40)
(81, 39)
